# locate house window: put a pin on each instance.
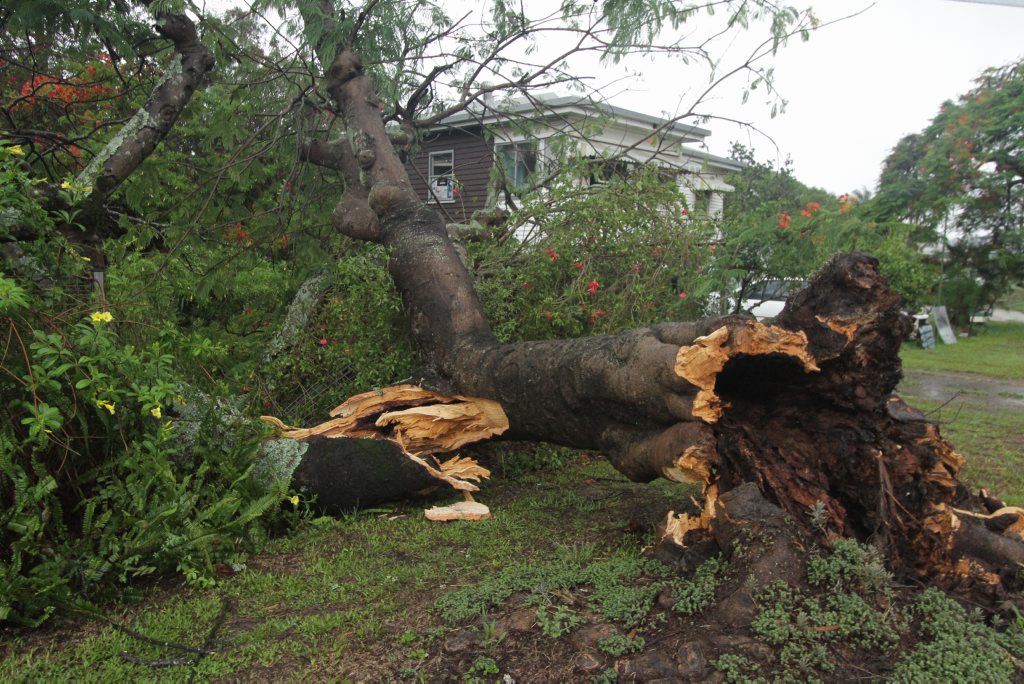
(441, 176)
(702, 201)
(518, 160)
(604, 170)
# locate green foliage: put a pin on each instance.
(618, 645)
(358, 338)
(601, 259)
(695, 594)
(734, 668)
(777, 228)
(850, 566)
(481, 668)
(961, 181)
(558, 622)
(855, 612)
(960, 646)
(616, 590)
(97, 485)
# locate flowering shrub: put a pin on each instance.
(101, 481)
(606, 257)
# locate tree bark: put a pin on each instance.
(802, 408)
(155, 119)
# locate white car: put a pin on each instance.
(765, 300)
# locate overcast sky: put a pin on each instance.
(853, 90)
(858, 86)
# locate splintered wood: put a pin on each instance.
(421, 423)
(464, 510)
(675, 527)
(700, 363)
(419, 420)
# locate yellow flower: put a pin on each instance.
(86, 259)
(104, 404)
(74, 187)
(294, 499)
(155, 412)
(98, 317)
(16, 151)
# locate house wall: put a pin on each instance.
(473, 158)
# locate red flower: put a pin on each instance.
(247, 309)
(577, 265)
(596, 314)
(548, 315)
(592, 287)
(784, 220)
(323, 341)
(526, 284)
(683, 211)
(682, 295)
(553, 255)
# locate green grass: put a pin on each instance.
(997, 351)
(311, 600)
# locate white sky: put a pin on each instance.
(856, 87)
(853, 90)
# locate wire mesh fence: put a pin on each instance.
(312, 403)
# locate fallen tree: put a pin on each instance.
(802, 408)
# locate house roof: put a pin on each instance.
(553, 107)
(718, 161)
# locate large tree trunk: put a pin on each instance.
(803, 408)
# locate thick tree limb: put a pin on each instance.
(151, 124)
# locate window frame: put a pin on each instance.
(534, 145)
(433, 177)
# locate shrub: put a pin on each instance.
(97, 485)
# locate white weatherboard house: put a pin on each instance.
(452, 169)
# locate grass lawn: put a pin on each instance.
(313, 605)
(998, 350)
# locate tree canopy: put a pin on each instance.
(961, 181)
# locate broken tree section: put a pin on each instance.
(804, 408)
(380, 446)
